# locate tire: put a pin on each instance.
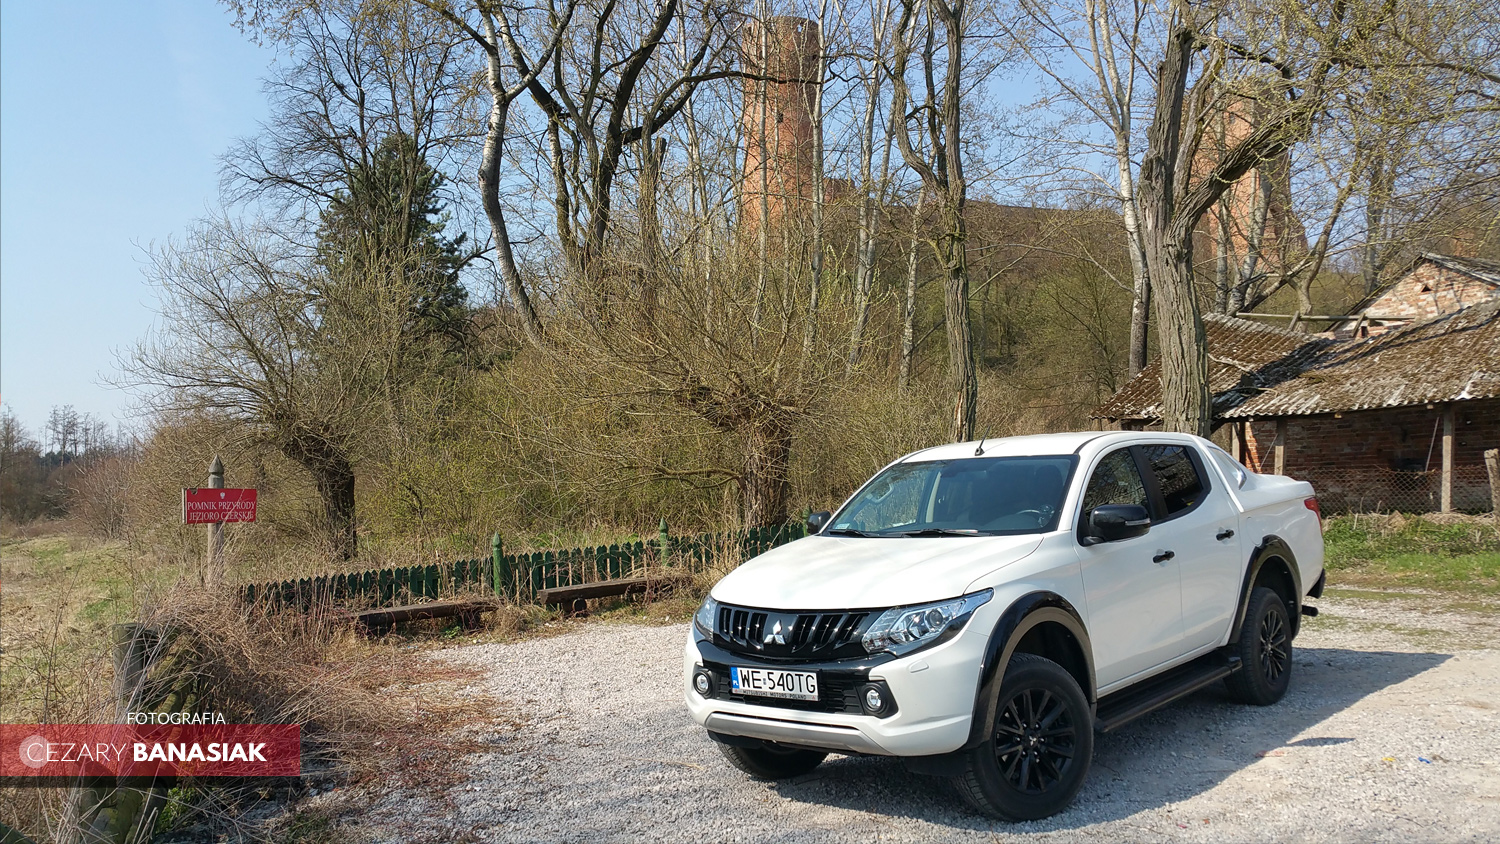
(1264, 649)
(772, 763)
(1037, 754)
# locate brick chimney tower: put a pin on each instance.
(777, 119)
(1283, 230)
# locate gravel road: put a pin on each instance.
(1391, 732)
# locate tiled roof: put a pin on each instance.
(1256, 370)
(1243, 358)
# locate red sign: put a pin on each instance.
(207, 506)
(44, 751)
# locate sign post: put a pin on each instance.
(213, 506)
(215, 529)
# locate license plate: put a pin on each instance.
(771, 682)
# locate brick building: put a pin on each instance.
(1398, 420)
(1434, 284)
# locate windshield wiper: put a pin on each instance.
(943, 532)
(845, 532)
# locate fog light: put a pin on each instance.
(701, 684)
(874, 701)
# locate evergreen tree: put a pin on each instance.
(385, 230)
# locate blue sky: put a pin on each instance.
(112, 119)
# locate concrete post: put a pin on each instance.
(1447, 492)
(1280, 446)
(214, 571)
(1492, 465)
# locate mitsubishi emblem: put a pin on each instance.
(775, 635)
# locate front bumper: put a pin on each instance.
(933, 692)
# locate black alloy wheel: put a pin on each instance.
(1275, 650)
(1264, 649)
(1038, 752)
(1035, 741)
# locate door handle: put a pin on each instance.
(1224, 534)
(1162, 556)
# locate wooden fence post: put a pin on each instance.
(1492, 464)
(106, 813)
(663, 540)
(214, 572)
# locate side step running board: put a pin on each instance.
(1122, 707)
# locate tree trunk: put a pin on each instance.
(1183, 347)
(909, 315)
(1169, 250)
(489, 191)
(870, 208)
(1140, 320)
(766, 486)
(810, 329)
(335, 482)
(962, 374)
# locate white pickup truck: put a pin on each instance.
(981, 609)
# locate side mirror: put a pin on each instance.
(1113, 522)
(817, 521)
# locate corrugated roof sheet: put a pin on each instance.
(1243, 359)
(1486, 271)
(1257, 370)
(1453, 357)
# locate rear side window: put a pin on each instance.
(1178, 478)
(1115, 481)
(1231, 467)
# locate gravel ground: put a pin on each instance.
(1391, 732)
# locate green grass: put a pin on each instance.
(1379, 551)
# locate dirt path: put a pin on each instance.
(1391, 732)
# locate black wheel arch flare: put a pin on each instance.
(1271, 548)
(1021, 617)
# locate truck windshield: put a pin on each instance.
(982, 496)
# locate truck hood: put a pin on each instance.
(836, 572)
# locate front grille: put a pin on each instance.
(791, 635)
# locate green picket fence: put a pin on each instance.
(517, 577)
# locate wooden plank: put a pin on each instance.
(385, 617)
(1447, 492)
(602, 589)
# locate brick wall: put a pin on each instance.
(1427, 291)
(1379, 459)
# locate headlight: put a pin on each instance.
(905, 629)
(706, 616)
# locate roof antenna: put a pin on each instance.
(979, 452)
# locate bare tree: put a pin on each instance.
(873, 188)
(940, 27)
(246, 339)
(509, 71)
(1090, 52)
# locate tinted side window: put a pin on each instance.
(1176, 475)
(1115, 481)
